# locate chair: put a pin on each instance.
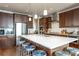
(62, 53)
(39, 53)
(73, 51)
(30, 49)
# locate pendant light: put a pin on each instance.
(30, 19)
(45, 12)
(35, 16)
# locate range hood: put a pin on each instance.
(54, 19)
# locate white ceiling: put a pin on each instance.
(34, 8)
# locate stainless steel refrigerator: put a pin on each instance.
(21, 29)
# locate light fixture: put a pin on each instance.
(30, 19)
(45, 12)
(35, 16)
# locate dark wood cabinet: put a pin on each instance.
(45, 23)
(69, 18)
(30, 23)
(23, 19)
(6, 20)
(7, 42)
(61, 20)
(73, 44)
(17, 18)
(76, 17)
(20, 18)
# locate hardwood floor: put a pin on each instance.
(8, 52)
(14, 51)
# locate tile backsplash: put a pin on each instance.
(55, 28)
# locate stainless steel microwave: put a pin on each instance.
(2, 32)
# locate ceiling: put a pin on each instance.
(34, 8)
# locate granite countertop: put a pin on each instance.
(49, 41)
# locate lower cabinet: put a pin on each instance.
(7, 42)
(74, 44)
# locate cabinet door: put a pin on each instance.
(45, 22)
(30, 23)
(49, 22)
(76, 17)
(24, 18)
(1, 21)
(41, 22)
(68, 18)
(0, 42)
(61, 20)
(18, 18)
(6, 20)
(9, 21)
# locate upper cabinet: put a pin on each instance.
(30, 23)
(69, 18)
(23, 19)
(17, 18)
(6, 20)
(45, 22)
(61, 20)
(76, 17)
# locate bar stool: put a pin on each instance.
(24, 45)
(20, 47)
(39, 53)
(62, 53)
(73, 51)
(30, 49)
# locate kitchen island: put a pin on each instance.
(49, 43)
